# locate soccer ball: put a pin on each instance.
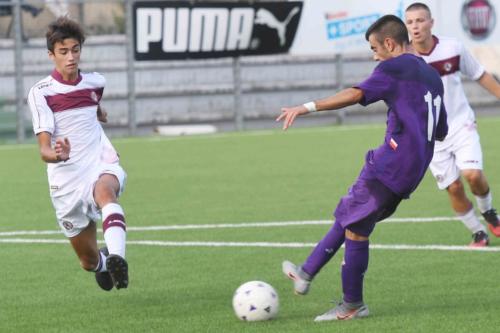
(255, 301)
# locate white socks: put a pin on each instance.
(114, 227)
(484, 203)
(471, 221)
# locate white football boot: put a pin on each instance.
(295, 273)
(345, 311)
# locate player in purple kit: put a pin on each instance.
(413, 92)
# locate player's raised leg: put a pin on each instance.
(322, 253)
(105, 194)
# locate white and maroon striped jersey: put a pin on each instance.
(68, 110)
(450, 58)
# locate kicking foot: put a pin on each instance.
(345, 311)
(300, 280)
(103, 279)
(479, 239)
(118, 269)
(491, 217)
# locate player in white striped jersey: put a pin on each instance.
(85, 177)
(459, 155)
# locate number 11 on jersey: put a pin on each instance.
(430, 116)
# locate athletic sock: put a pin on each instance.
(471, 221)
(484, 202)
(353, 270)
(114, 228)
(325, 250)
(101, 266)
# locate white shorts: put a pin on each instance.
(75, 210)
(462, 151)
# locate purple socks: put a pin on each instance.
(325, 250)
(353, 269)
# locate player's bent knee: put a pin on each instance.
(474, 177)
(108, 180)
(354, 236)
(106, 190)
(457, 187)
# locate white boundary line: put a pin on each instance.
(233, 225)
(263, 245)
(248, 244)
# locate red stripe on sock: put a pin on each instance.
(114, 220)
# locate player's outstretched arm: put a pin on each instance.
(60, 152)
(488, 82)
(342, 99)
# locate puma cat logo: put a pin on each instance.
(265, 17)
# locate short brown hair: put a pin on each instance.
(61, 29)
(418, 5)
(389, 26)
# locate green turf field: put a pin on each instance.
(205, 194)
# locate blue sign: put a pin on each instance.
(351, 26)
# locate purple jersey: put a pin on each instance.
(413, 91)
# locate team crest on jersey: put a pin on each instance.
(447, 66)
(93, 95)
(67, 225)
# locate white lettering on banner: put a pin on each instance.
(208, 29)
(349, 27)
(148, 27)
(196, 30)
(175, 29)
(240, 29)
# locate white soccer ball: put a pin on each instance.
(255, 301)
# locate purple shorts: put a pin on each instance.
(367, 202)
